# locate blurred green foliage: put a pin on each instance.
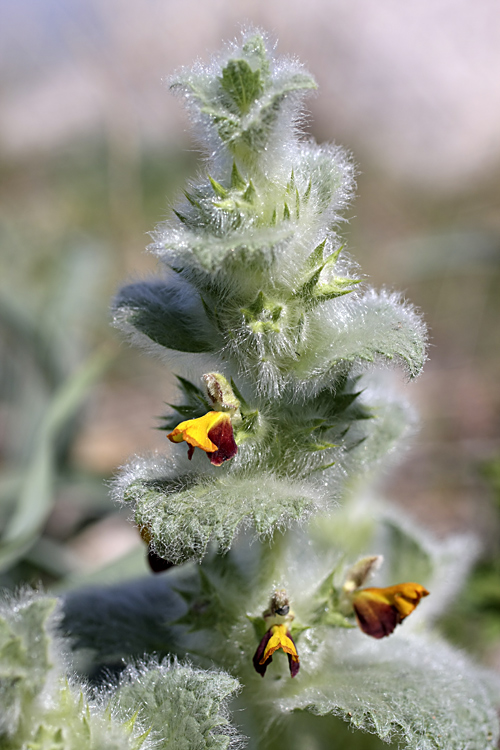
(68, 221)
(473, 622)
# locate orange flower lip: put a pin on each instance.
(213, 433)
(379, 610)
(276, 637)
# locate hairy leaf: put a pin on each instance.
(422, 693)
(154, 705)
(376, 326)
(183, 518)
(184, 708)
(167, 313)
(25, 657)
(251, 79)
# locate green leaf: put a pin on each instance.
(25, 657)
(243, 404)
(183, 523)
(192, 392)
(311, 291)
(209, 607)
(255, 308)
(113, 620)
(184, 707)
(37, 491)
(195, 405)
(316, 257)
(317, 446)
(193, 201)
(382, 327)
(237, 181)
(221, 191)
(421, 693)
(333, 404)
(335, 288)
(183, 219)
(250, 193)
(242, 84)
(166, 315)
(307, 194)
(185, 411)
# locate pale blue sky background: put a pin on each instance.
(414, 85)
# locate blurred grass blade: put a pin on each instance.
(22, 328)
(36, 495)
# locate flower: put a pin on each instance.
(379, 610)
(213, 433)
(278, 636)
(156, 563)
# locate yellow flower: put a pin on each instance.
(379, 610)
(278, 636)
(213, 433)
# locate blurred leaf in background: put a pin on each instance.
(474, 620)
(63, 257)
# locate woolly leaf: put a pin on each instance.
(153, 705)
(169, 314)
(277, 477)
(328, 176)
(309, 351)
(368, 441)
(184, 520)
(25, 658)
(247, 98)
(369, 328)
(74, 720)
(39, 709)
(184, 707)
(249, 243)
(255, 52)
(423, 694)
(164, 614)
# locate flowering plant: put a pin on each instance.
(277, 342)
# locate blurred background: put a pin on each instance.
(93, 151)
